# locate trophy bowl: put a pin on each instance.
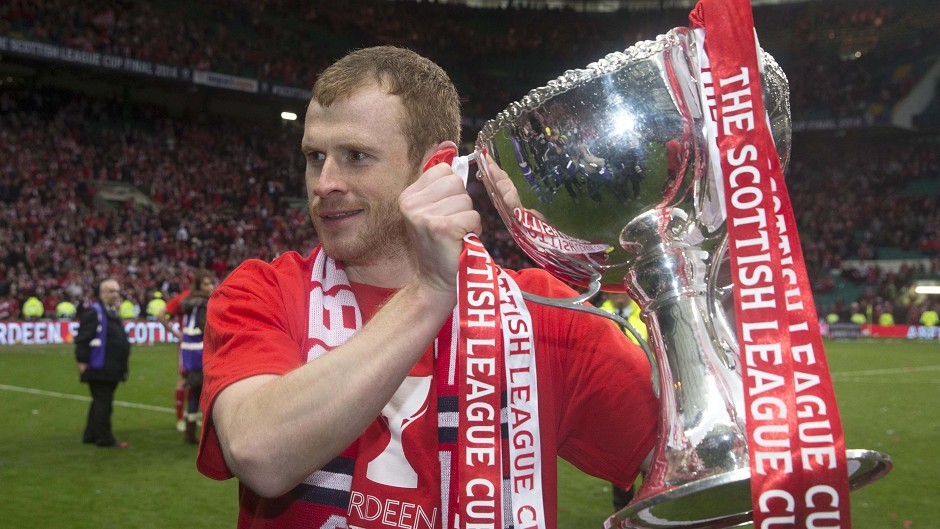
(609, 185)
(596, 148)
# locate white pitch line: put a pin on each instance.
(161, 409)
(879, 372)
(895, 381)
(83, 398)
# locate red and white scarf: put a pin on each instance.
(487, 402)
(799, 475)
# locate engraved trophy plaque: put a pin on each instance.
(610, 188)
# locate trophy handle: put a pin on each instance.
(577, 303)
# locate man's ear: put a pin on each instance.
(443, 152)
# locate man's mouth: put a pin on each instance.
(338, 215)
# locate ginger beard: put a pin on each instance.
(381, 233)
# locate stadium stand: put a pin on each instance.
(140, 138)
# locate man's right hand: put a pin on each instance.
(439, 213)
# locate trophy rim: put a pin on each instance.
(576, 77)
(611, 62)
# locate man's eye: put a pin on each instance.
(315, 157)
(357, 156)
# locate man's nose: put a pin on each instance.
(329, 180)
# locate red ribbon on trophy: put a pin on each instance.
(480, 371)
(494, 360)
(799, 475)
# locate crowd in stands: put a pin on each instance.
(219, 198)
(862, 199)
(499, 53)
(887, 297)
(853, 204)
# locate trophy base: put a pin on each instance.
(724, 501)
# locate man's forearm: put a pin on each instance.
(276, 431)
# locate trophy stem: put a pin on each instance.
(701, 434)
(700, 472)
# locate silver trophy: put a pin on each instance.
(609, 187)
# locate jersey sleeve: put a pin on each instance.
(173, 306)
(254, 326)
(607, 414)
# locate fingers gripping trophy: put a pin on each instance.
(658, 171)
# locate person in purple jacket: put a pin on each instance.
(102, 351)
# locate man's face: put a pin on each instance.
(110, 293)
(357, 165)
(207, 284)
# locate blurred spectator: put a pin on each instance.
(9, 308)
(156, 305)
(128, 309)
(167, 316)
(621, 305)
(929, 317)
(66, 310)
(886, 319)
(194, 308)
(33, 309)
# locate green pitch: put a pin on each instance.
(887, 392)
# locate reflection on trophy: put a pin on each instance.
(408, 403)
(610, 188)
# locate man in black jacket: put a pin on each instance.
(102, 350)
